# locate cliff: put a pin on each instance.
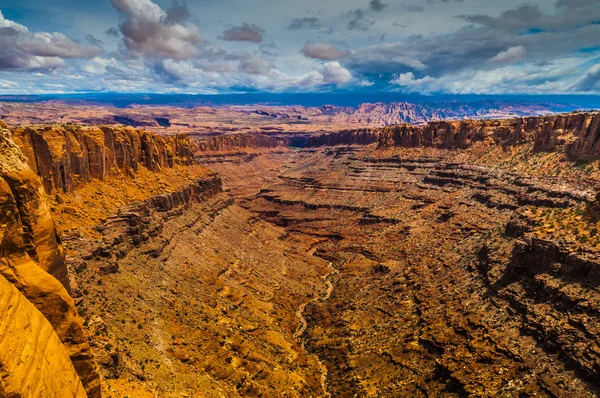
(42, 341)
(239, 141)
(359, 136)
(66, 156)
(577, 133)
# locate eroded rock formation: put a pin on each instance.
(66, 156)
(239, 142)
(32, 260)
(577, 133)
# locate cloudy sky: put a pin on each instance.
(213, 46)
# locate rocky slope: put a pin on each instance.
(437, 291)
(43, 344)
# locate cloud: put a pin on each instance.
(591, 80)
(571, 4)
(473, 46)
(323, 51)
(150, 31)
(358, 21)
(580, 13)
(334, 73)
(510, 56)
(112, 32)
(45, 44)
(413, 8)
(245, 32)
(377, 5)
(93, 40)
(408, 80)
(305, 23)
(22, 50)
(255, 65)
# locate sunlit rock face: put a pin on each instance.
(35, 283)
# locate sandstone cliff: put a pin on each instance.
(239, 141)
(32, 260)
(577, 133)
(66, 156)
(33, 362)
(359, 136)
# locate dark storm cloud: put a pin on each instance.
(150, 31)
(489, 38)
(377, 5)
(517, 20)
(304, 23)
(246, 32)
(323, 51)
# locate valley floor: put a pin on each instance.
(351, 271)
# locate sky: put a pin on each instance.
(229, 46)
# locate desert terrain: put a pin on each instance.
(332, 256)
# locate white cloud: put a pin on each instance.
(510, 56)
(22, 50)
(334, 73)
(150, 31)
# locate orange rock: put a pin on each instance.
(32, 259)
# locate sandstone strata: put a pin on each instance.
(576, 133)
(239, 142)
(67, 156)
(32, 260)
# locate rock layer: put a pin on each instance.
(66, 156)
(32, 260)
(577, 133)
(239, 141)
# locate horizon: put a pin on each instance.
(353, 100)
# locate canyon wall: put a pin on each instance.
(359, 136)
(239, 141)
(43, 348)
(66, 156)
(577, 133)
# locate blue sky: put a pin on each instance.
(208, 46)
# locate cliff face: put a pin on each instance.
(33, 361)
(578, 133)
(239, 141)
(360, 137)
(35, 305)
(66, 156)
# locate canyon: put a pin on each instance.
(450, 258)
